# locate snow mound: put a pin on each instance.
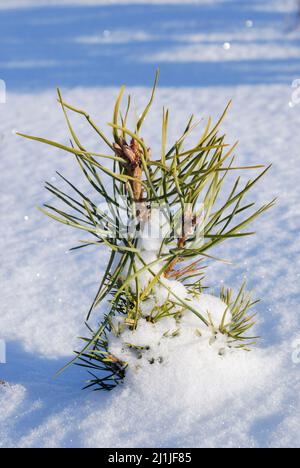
(156, 342)
(199, 395)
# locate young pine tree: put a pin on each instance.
(161, 217)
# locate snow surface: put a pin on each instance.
(272, 5)
(8, 4)
(240, 400)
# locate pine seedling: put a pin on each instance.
(154, 280)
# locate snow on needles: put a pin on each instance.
(154, 340)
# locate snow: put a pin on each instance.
(33, 3)
(161, 341)
(170, 289)
(196, 397)
(209, 306)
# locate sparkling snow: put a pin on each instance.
(197, 397)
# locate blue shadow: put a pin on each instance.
(39, 49)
